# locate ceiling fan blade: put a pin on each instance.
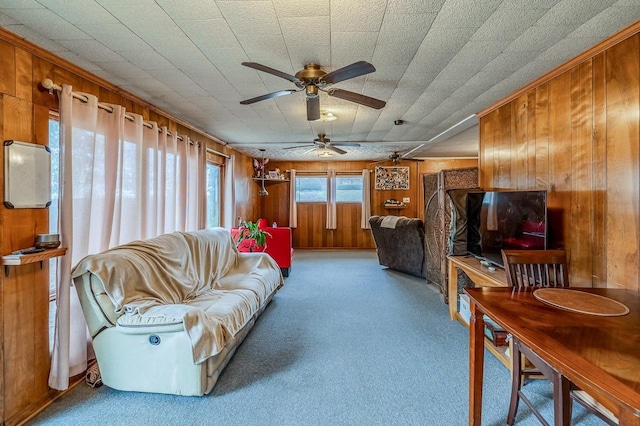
(268, 96)
(412, 159)
(334, 149)
(264, 68)
(357, 98)
(350, 71)
(297, 146)
(345, 144)
(313, 108)
(309, 150)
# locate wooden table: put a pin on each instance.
(599, 354)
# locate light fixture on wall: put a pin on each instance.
(263, 190)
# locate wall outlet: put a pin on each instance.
(406, 200)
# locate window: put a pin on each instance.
(213, 195)
(313, 189)
(54, 145)
(349, 189)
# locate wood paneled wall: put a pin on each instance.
(24, 294)
(577, 135)
(311, 231)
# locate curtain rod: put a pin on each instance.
(221, 154)
(325, 171)
(48, 84)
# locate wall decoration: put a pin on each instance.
(27, 175)
(392, 178)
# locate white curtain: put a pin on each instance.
(366, 200)
(293, 206)
(332, 220)
(229, 194)
(119, 181)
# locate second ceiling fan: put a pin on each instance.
(312, 79)
(324, 143)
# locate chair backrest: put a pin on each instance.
(536, 268)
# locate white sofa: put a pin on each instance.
(166, 314)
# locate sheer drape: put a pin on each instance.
(365, 212)
(229, 194)
(332, 220)
(119, 181)
(293, 206)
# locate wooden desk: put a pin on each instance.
(601, 355)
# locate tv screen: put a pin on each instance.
(506, 220)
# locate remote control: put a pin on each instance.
(32, 251)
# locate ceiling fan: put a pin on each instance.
(323, 143)
(396, 158)
(313, 79)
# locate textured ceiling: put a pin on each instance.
(438, 61)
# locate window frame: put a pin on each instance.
(219, 167)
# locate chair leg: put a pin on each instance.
(516, 381)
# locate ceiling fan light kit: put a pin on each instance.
(312, 79)
(327, 116)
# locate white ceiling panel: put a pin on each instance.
(190, 10)
(437, 61)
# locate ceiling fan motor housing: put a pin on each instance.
(311, 73)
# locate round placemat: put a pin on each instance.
(581, 301)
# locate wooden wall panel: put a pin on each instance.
(7, 68)
(599, 167)
(246, 190)
(582, 145)
(503, 146)
(519, 150)
(559, 196)
(581, 174)
(541, 148)
(622, 78)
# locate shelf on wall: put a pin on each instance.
(266, 179)
(24, 259)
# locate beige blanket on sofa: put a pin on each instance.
(180, 275)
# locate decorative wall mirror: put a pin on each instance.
(27, 175)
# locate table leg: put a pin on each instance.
(561, 401)
(476, 364)
(452, 290)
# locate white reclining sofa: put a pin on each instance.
(166, 314)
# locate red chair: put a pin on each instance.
(279, 245)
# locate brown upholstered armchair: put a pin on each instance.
(400, 243)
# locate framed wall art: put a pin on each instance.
(391, 178)
(27, 175)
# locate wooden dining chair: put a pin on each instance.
(542, 268)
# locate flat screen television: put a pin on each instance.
(506, 220)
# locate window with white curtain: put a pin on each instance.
(213, 195)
